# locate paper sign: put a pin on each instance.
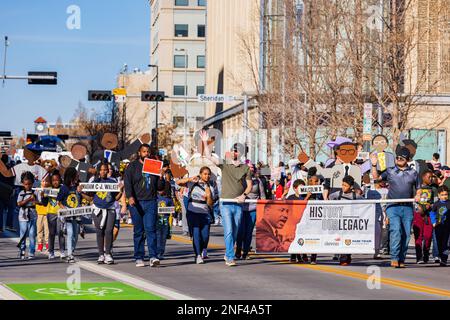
(363, 156)
(265, 171)
(48, 192)
(381, 161)
(100, 187)
(166, 210)
(75, 212)
(312, 189)
(107, 155)
(152, 167)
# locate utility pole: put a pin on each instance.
(157, 102)
(4, 61)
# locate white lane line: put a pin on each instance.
(134, 281)
(8, 294)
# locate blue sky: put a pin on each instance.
(113, 32)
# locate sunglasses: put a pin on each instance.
(347, 151)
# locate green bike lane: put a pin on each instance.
(43, 279)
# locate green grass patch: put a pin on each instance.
(88, 291)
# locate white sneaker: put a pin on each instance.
(30, 256)
(180, 223)
(216, 221)
(154, 262)
(200, 260)
(101, 259)
(175, 222)
(62, 255)
(140, 263)
(109, 259)
(51, 256)
(130, 221)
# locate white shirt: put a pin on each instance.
(38, 172)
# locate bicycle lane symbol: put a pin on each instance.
(94, 291)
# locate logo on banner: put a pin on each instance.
(348, 242)
(301, 242)
(107, 155)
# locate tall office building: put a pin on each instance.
(178, 49)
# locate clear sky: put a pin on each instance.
(113, 32)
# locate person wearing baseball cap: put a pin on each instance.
(402, 182)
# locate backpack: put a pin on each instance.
(198, 201)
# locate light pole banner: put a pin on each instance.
(301, 227)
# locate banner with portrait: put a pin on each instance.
(323, 227)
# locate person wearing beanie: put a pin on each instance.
(403, 180)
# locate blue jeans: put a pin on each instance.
(28, 228)
(199, 224)
(400, 222)
(72, 229)
(435, 245)
(2, 210)
(245, 233)
(231, 219)
(161, 238)
(12, 215)
(216, 210)
(144, 216)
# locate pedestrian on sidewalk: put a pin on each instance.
(26, 201)
(201, 197)
(402, 181)
(440, 218)
(245, 233)
(104, 216)
(141, 190)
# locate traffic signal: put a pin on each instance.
(37, 74)
(153, 96)
(99, 95)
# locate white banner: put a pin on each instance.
(334, 229)
(100, 187)
(166, 210)
(48, 192)
(75, 212)
(323, 227)
(313, 189)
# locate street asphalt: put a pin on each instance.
(268, 277)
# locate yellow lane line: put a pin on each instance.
(347, 273)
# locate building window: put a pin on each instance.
(181, 30)
(201, 31)
(178, 121)
(181, 2)
(200, 90)
(179, 61)
(202, 3)
(200, 61)
(179, 90)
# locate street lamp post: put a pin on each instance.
(157, 103)
(185, 95)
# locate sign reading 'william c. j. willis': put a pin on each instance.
(100, 187)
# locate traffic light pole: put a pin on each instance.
(157, 103)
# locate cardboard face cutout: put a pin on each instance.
(65, 161)
(347, 152)
(49, 165)
(109, 141)
(30, 156)
(79, 151)
(380, 143)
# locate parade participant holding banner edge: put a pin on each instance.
(402, 180)
(141, 191)
(232, 188)
(104, 215)
(70, 196)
